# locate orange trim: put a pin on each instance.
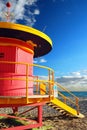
(18, 43)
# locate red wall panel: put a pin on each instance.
(15, 87)
(7, 54)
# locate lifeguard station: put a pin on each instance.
(19, 84)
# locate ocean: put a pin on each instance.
(79, 94)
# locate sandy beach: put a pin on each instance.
(53, 120)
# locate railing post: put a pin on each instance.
(27, 82)
(37, 85)
(64, 99)
(77, 105)
(50, 84)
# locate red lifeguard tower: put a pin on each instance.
(19, 86)
(18, 46)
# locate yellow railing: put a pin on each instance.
(37, 80)
(71, 99)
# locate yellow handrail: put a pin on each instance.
(49, 81)
(66, 98)
(63, 88)
(27, 78)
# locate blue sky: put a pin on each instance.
(65, 22)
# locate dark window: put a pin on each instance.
(1, 55)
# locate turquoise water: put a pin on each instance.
(82, 94)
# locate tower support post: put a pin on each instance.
(40, 115)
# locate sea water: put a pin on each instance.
(79, 94)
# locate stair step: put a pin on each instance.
(54, 107)
(50, 105)
(64, 113)
(67, 115)
(58, 108)
(61, 111)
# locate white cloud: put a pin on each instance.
(76, 81)
(39, 60)
(36, 11)
(21, 10)
(42, 60)
(76, 73)
(43, 77)
(35, 61)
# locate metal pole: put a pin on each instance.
(40, 115)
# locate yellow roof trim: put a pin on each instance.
(25, 29)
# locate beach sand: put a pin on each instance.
(53, 120)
